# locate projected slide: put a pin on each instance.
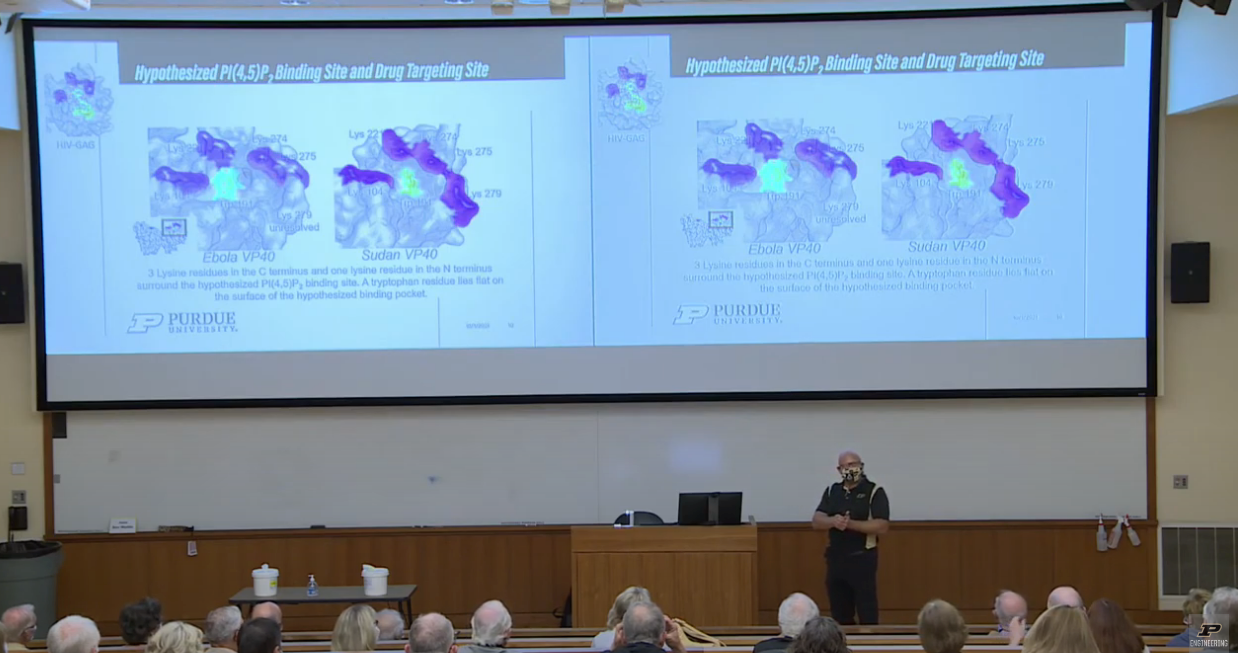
(912, 204)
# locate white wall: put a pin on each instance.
(1203, 59)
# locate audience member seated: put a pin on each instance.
(941, 628)
(492, 626)
(605, 641)
(820, 635)
(175, 637)
(18, 625)
(1224, 602)
(431, 633)
(645, 629)
(259, 635)
(794, 612)
(1113, 630)
(1065, 595)
(268, 610)
(1011, 611)
(1060, 629)
(355, 630)
(222, 625)
(390, 625)
(73, 634)
(1194, 604)
(138, 621)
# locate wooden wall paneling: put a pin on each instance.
(530, 569)
(712, 577)
(1121, 574)
(915, 567)
(1015, 559)
(777, 546)
(99, 578)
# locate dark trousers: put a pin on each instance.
(851, 583)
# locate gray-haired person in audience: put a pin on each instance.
(941, 628)
(431, 633)
(175, 637)
(492, 626)
(1065, 595)
(390, 625)
(1011, 611)
(73, 634)
(267, 610)
(820, 635)
(604, 641)
(1224, 603)
(645, 629)
(795, 611)
(222, 625)
(1194, 604)
(18, 624)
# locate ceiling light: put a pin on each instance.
(295, 3)
(458, 2)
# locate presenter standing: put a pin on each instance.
(854, 511)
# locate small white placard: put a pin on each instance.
(126, 525)
(17, 469)
(192, 550)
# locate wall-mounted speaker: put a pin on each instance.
(12, 294)
(1189, 273)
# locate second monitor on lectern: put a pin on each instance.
(710, 508)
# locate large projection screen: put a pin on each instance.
(920, 204)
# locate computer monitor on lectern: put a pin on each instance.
(710, 508)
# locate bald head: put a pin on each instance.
(492, 624)
(19, 623)
(431, 633)
(73, 634)
(795, 611)
(644, 622)
(1065, 595)
(267, 610)
(1008, 606)
(848, 458)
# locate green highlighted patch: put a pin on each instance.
(774, 176)
(408, 183)
(227, 183)
(635, 102)
(958, 175)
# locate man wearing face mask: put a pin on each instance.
(854, 512)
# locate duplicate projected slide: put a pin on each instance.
(678, 185)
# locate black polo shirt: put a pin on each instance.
(865, 501)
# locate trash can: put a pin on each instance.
(28, 572)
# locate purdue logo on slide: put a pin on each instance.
(143, 322)
(689, 313)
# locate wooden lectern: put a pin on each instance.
(706, 575)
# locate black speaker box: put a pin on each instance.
(12, 294)
(1189, 273)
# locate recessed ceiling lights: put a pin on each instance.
(294, 3)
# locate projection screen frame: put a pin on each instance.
(1150, 388)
